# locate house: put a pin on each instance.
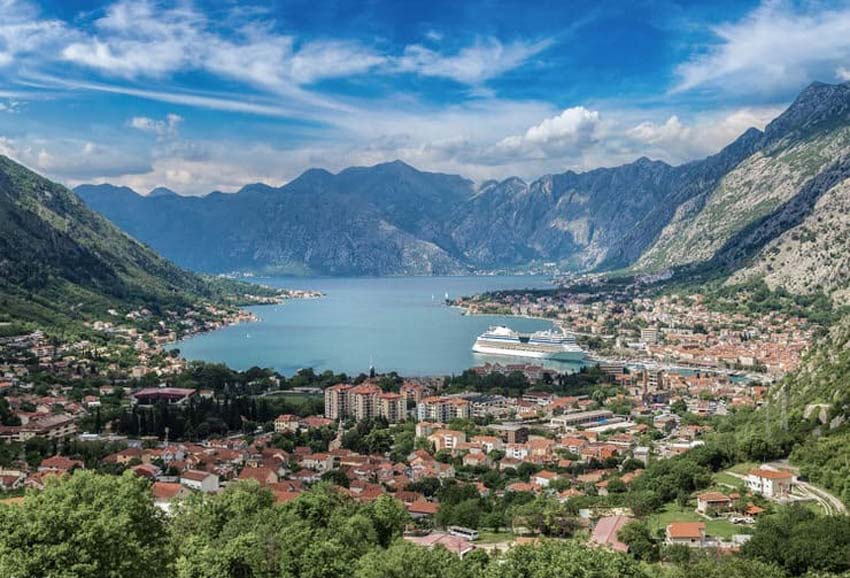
(11, 480)
(713, 502)
(422, 509)
(205, 482)
(770, 483)
(475, 460)
(166, 492)
(453, 544)
(605, 532)
(59, 464)
(446, 439)
(544, 478)
(262, 475)
(286, 423)
(686, 534)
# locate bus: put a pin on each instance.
(461, 532)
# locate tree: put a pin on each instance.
(638, 537)
(801, 541)
(85, 526)
(336, 476)
(389, 517)
(556, 558)
(404, 560)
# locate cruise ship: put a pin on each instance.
(551, 344)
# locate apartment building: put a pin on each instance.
(362, 402)
(443, 409)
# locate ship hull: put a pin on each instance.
(531, 354)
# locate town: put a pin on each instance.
(497, 456)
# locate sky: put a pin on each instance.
(202, 96)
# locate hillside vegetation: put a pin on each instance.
(61, 263)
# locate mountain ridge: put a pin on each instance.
(391, 218)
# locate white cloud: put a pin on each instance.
(137, 40)
(675, 141)
(74, 159)
(775, 47)
(160, 127)
(473, 64)
(22, 32)
(842, 73)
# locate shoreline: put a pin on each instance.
(632, 363)
(244, 316)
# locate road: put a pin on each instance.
(830, 504)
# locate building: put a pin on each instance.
(336, 401)
(686, 534)
(362, 402)
(770, 483)
(605, 532)
(205, 482)
(581, 418)
(713, 503)
(447, 439)
(649, 335)
(171, 395)
(392, 406)
(443, 409)
(511, 433)
(286, 423)
(51, 427)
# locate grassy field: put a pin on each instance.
(726, 479)
(485, 537)
(743, 468)
(674, 513)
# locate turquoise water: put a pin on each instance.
(400, 324)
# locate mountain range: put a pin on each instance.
(772, 204)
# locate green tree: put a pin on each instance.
(554, 558)
(389, 517)
(638, 537)
(85, 526)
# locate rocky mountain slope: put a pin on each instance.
(61, 261)
(799, 157)
(730, 211)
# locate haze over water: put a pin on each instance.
(400, 324)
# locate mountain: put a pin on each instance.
(783, 193)
(375, 221)
(730, 212)
(60, 261)
(394, 219)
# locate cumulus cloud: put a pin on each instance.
(842, 73)
(160, 127)
(778, 46)
(676, 141)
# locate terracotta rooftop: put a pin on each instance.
(685, 530)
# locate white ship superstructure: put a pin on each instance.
(553, 344)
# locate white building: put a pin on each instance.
(200, 481)
(770, 483)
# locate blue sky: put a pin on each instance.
(200, 96)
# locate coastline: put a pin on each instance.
(242, 315)
(633, 362)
